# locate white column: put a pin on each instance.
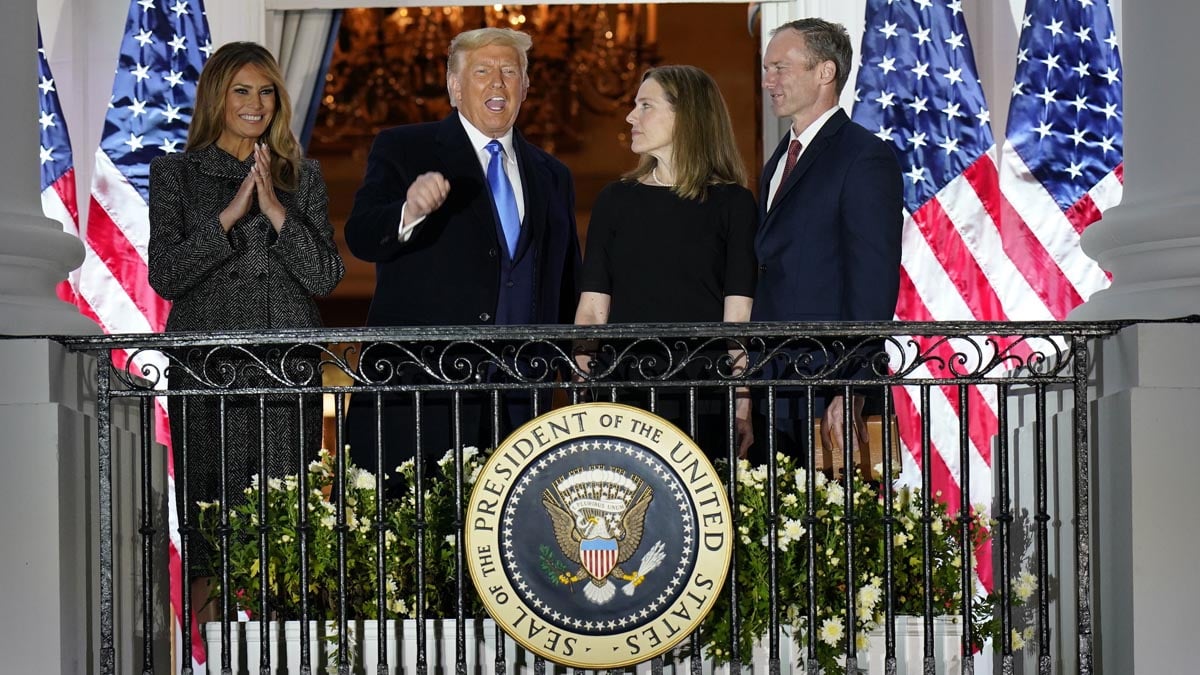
(1151, 242)
(47, 498)
(1145, 499)
(35, 254)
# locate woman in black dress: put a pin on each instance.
(239, 239)
(673, 240)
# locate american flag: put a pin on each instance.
(58, 164)
(988, 238)
(1061, 164)
(163, 49)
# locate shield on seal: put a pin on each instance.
(598, 556)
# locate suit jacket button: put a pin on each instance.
(260, 276)
(233, 275)
(485, 317)
(762, 268)
(491, 253)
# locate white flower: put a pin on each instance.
(1024, 586)
(789, 499)
(396, 606)
(759, 474)
(793, 529)
(868, 595)
(364, 481)
(274, 484)
(936, 526)
(1017, 640)
(469, 452)
(831, 632)
(834, 494)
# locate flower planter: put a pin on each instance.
(947, 636)
(910, 649)
(401, 641)
(400, 638)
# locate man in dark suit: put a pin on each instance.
(467, 224)
(828, 241)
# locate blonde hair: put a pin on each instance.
(469, 41)
(208, 120)
(702, 144)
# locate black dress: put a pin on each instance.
(662, 258)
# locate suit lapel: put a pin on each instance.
(811, 154)
(764, 192)
(534, 183)
(463, 167)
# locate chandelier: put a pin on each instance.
(389, 66)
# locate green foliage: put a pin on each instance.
(359, 531)
(826, 531)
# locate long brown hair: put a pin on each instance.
(208, 120)
(702, 144)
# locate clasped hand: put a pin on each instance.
(257, 184)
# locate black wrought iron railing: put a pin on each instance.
(249, 402)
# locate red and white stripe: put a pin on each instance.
(599, 562)
(990, 246)
(58, 203)
(112, 288)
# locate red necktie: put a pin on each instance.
(793, 155)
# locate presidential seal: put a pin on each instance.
(598, 535)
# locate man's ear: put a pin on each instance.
(454, 88)
(828, 71)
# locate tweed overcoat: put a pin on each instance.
(248, 278)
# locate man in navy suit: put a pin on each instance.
(828, 241)
(467, 223)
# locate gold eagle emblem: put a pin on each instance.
(598, 515)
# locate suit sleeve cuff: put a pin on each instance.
(403, 233)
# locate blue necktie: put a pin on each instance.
(503, 197)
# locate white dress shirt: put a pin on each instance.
(479, 141)
(806, 138)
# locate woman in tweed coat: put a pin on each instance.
(239, 239)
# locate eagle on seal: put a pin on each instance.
(586, 540)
